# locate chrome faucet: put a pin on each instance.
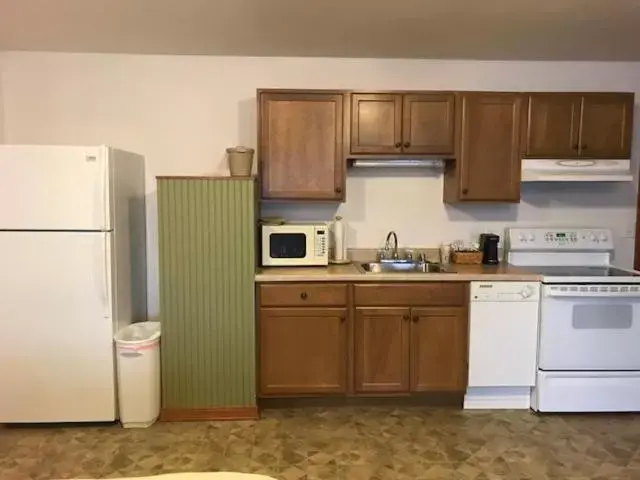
(395, 244)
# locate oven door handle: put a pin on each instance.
(587, 295)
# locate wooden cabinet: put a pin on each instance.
(394, 123)
(381, 350)
(376, 123)
(574, 125)
(552, 126)
(303, 350)
(439, 339)
(300, 145)
(606, 126)
(378, 339)
(488, 165)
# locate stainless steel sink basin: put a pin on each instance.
(403, 267)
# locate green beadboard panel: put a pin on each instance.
(207, 242)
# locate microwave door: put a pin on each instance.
(288, 245)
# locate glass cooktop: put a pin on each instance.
(583, 272)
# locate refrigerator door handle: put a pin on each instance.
(105, 194)
(105, 276)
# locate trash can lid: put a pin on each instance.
(138, 333)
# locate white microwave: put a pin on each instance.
(295, 244)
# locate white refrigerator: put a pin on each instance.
(72, 272)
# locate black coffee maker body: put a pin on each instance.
(489, 248)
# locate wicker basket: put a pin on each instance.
(466, 257)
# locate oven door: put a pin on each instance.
(598, 329)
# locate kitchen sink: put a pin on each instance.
(404, 267)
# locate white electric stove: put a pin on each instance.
(589, 341)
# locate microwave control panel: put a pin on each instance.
(321, 235)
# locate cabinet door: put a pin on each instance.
(303, 350)
(606, 125)
(428, 123)
(552, 125)
(439, 349)
(300, 150)
(376, 123)
(489, 151)
(382, 350)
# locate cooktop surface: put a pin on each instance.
(583, 272)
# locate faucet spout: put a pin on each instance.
(387, 245)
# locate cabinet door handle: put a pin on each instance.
(407, 144)
(405, 317)
(338, 189)
(465, 191)
(583, 146)
(343, 319)
(415, 319)
(576, 146)
(303, 295)
(398, 144)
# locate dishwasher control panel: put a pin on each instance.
(505, 291)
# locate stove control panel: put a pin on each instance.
(560, 239)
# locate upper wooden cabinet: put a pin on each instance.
(487, 166)
(300, 148)
(387, 124)
(573, 125)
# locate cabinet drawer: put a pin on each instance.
(411, 294)
(303, 294)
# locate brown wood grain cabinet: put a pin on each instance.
(303, 351)
(488, 164)
(347, 341)
(607, 125)
(381, 350)
(300, 145)
(575, 125)
(439, 349)
(421, 123)
(552, 125)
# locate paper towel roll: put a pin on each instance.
(339, 240)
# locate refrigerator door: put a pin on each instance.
(56, 347)
(54, 188)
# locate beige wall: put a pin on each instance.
(181, 113)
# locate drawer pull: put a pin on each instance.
(303, 295)
(343, 319)
(405, 317)
(415, 319)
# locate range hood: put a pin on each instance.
(540, 170)
(397, 163)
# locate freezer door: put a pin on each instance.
(56, 347)
(54, 188)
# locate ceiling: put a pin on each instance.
(466, 29)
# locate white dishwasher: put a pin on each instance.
(503, 344)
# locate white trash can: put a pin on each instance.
(138, 368)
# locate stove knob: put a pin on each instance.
(531, 237)
(593, 238)
(522, 238)
(603, 237)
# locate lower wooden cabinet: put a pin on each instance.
(303, 350)
(439, 339)
(401, 350)
(381, 350)
(346, 343)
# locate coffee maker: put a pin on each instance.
(489, 248)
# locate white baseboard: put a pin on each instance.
(516, 398)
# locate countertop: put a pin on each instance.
(352, 273)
